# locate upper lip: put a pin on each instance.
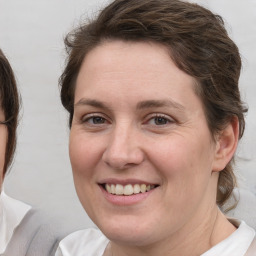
(125, 181)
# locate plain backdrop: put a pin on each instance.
(31, 35)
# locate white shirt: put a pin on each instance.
(12, 213)
(92, 242)
(89, 242)
(236, 244)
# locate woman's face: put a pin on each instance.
(138, 125)
(3, 140)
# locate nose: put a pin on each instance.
(123, 150)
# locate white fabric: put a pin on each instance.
(92, 242)
(89, 242)
(11, 214)
(236, 244)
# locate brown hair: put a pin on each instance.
(9, 103)
(198, 43)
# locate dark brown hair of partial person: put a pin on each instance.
(9, 103)
(198, 44)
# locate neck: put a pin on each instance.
(209, 231)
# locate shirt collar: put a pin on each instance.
(237, 243)
(12, 213)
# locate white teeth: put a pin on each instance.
(118, 189)
(113, 189)
(128, 190)
(108, 188)
(136, 189)
(143, 188)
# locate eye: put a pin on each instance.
(159, 120)
(93, 119)
(96, 120)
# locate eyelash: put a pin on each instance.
(160, 116)
(87, 118)
(166, 119)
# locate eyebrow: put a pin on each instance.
(91, 102)
(141, 105)
(159, 104)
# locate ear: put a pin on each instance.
(226, 145)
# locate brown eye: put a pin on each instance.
(98, 120)
(160, 120)
(94, 120)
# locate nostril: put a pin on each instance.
(123, 160)
(115, 165)
(117, 162)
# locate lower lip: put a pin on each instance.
(125, 200)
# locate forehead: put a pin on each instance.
(129, 55)
(132, 63)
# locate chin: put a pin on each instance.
(128, 233)
(128, 238)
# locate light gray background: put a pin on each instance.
(31, 35)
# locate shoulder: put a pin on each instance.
(25, 230)
(238, 243)
(36, 234)
(12, 214)
(90, 240)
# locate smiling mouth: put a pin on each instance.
(127, 190)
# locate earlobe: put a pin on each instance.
(226, 145)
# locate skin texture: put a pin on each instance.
(3, 140)
(137, 119)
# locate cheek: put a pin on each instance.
(184, 163)
(85, 154)
(186, 173)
